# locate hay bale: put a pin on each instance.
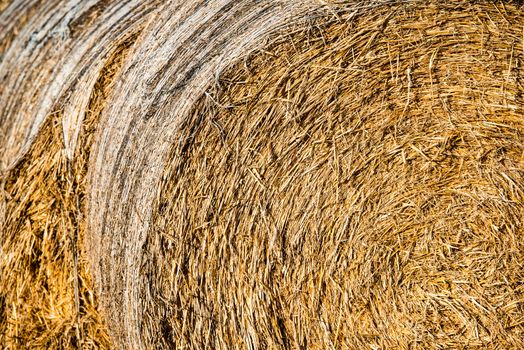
(270, 174)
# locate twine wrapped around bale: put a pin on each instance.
(262, 174)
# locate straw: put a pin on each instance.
(272, 175)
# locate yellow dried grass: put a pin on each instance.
(46, 290)
(356, 185)
(269, 175)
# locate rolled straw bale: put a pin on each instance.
(262, 174)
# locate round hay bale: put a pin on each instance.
(271, 174)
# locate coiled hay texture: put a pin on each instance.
(262, 174)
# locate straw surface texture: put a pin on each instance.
(256, 174)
